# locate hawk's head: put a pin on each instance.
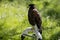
(32, 5)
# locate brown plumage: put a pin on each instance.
(34, 18)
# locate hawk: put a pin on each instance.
(34, 17)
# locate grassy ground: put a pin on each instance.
(14, 20)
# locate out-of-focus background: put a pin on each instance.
(14, 19)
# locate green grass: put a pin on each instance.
(14, 20)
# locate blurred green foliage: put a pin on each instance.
(14, 19)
